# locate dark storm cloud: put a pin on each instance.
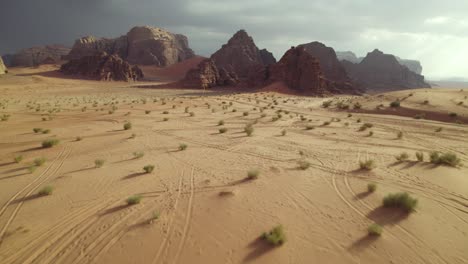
(431, 31)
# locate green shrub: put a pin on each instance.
(245, 113)
(138, 154)
(147, 112)
(371, 133)
(47, 190)
(39, 161)
(326, 104)
(223, 130)
(283, 132)
(134, 199)
(371, 187)
(253, 174)
(275, 237)
(400, 200)
(165, 112)
(99, 163)
(374, 230)
(402, 157)
(420, 156)
(165, 119)
(449, 159)
(303, 164)
(182, 146)
(439, 129)
(18, 158)
(395, 104)
(326, 123)
(248, 129)
(309, 127)
(48, 143)
(367, 165)
(220, 122)
(192, 114)
(400, 134)
(148, 168)
(78, 138)
(127, 126)
(32, 168)
(37, 130)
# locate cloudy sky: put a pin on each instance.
(432, 31)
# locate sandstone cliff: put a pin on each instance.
(39, 55)
(382, 72)
(103, 67)
(141, 45)
(3, 68)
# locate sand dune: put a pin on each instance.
(325, 210)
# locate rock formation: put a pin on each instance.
(142, 45)
(3, 68)
(301, 71)
(230, 65)
(414, 65)
(39, 55)
(348, 56)
(382, 72)
(103, 67)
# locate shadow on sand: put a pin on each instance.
(259, 248)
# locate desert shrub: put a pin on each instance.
(303, 164)
(326, 123)
(46, 131)
(223, 130)
(439, 129)
(402, 157)
(371, 133)
(248, 129)
(371, 187)
(253, 174)
(78, 138)
(449, 159)
(245, 113)
(309, 127)
(283, 132)
(220, 122)
(374, 230)
(147, 112)
(32, 168)
(47, 190)
(127, 126)
(192, 113)
(37, 130)
(138, 154)
(420, 156)
(39, 161)
(400, 200)
(395, 104)
(358, 120)
(367, 165)
(452, 114)
(425, 102)
(99, 163)
(182, 146)
(420, 116)
(357, 105)
(165, 119)
(148, 168)
(48, 143)
(134, 199)
(154, 216)
(400, 134)
(18, 158)
(275, 237)
(326, 104)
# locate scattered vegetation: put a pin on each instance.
(395, 104)
(138, 154)
(248, 129)
(223, 130)
(39, 161)
(402, 157)
(283, 132)
(182, 146)
(303, 164)
(374, 230)
(134, 199)
(449, 159)
(420, 156)
(400, 134)
(99, 163)
(48, 143)
(221, 123)
(275, 237)
(18, 158)
(148, 168)
(400, 200)
(37, 130)
(47, 190)
(367, 165)
(253, 174)
(371, 187)
(127, 126)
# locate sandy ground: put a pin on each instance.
(325, 210)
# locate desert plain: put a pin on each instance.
(214, 189)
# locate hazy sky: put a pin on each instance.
(432, 31)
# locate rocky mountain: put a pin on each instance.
(141, 45)
(230, 65)
(302, 71)
(38, 55)
(348, 56)
(3, 68)
(382, 72)
(104, 67)
(414, 65)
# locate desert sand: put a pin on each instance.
(207, 211)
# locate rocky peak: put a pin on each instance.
(39, 55)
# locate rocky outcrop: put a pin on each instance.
(382, 72)
(142, 45)
(413, 65)
(39, 55)
(301, 71)
(230, 65)
(348, 56)
(103, 67)
(3, 68)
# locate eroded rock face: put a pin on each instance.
(234, 64)
(382, 72)
(142, 45)
(103, 67)
(39, 55)
(348, 56)
(3, 68)
(414, 65)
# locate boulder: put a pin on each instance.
(104, 67)
(39, 55)
(3, 68)
(141, 45)
(382, 72)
